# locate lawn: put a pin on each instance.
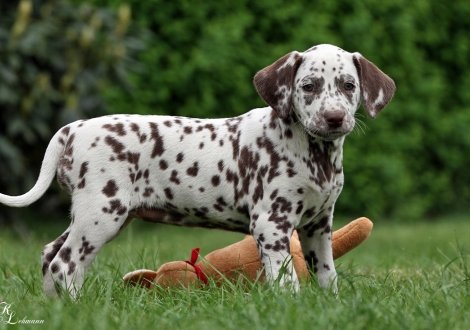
(405, 276)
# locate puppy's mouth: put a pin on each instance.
(327, 134)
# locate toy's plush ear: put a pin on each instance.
(275, 83)
(142, 277)
(377, 88)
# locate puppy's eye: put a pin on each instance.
(308, 87)
(348, 86)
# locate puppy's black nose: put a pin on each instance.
(334, 119)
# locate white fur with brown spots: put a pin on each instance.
(267, 172)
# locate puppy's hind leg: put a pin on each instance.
(90, 230)
(47, 255)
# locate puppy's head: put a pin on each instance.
(323, 87)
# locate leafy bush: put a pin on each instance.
(55, 58)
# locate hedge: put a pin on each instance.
(55, 60)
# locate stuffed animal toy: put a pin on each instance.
(240, 261)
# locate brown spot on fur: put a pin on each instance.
(220, 165)
(65, 254)
(72, 266)
(168, 193)
(235, 145)
(133, 158)
(279, 245)
(115, 145)
(215, 180)
(300, 207)
(115, 205)
(68, 150)
(174, 177)
(110, 189)
(273, 194)
(135, 128)
(55, 267)
(163, 166)
(66, 130)
(158, 147)
(81, 184)
(193, 170)
(259, 190)
(85, 249)
(148, 192)
(83, 169)
(117, 128)
(179, 157)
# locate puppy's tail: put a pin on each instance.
(48, 171)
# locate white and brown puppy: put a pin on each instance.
(267, 172)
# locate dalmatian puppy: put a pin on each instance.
(265, 173)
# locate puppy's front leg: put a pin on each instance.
(273, 241)
(315, 240)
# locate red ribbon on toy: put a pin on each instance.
(192, 262)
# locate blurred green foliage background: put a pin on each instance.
(60, 61)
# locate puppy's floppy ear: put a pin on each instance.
(377, 88)
(275, 83)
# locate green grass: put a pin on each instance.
(405, 276)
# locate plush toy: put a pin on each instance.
(240, 261)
